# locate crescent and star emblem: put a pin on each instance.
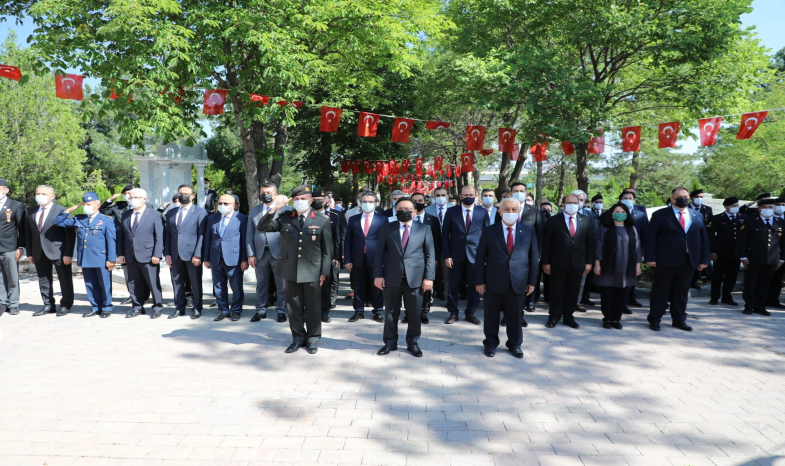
(367, 123)
(329, 118)
(746, 122)
(708, 131)
(476, 131)
(628, 136)
(402, 126)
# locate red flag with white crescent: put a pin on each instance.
(10, 72)
(418, 163)
(284, 103)
(260, 99)
(516, 152)
(385, 168)
(486, 152)
(538, 151)
(367, 125)
(430, 171)
(214, 100)
(668, 134)
(405, 165)
(402, 127)
(356, 167)
(467, 162)
(329, 120)
(631, 139)
(708, 130)
(437, 163)
(436, 125)
(449, 171)
(68, 87)
(749, 123)
(597, 144)
(345, 166)
(506, 139)
(377, 166)
(368, 166)
(458, 170)
(567, 147)
(475, 137)
(394, 167)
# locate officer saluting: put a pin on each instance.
(762, 251)
(95, 248)
(304, 263)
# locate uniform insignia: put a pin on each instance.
(314, 226)
(742, 227)
(313, 214)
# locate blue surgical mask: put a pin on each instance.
(368, 207)
(628, 202)
(487, 201)
(519, 196)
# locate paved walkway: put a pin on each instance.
(181, 392)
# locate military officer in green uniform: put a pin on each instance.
(304, 263)
(762, 251)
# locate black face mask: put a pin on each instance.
(682, 201)
(467, 201)
(266, 198)
(403, 215)
(419, 206)
(317, 205)
(184, 198)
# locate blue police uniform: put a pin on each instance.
(95, 245)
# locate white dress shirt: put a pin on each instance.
(401, 228)
(364, 218)
(505, 231)
(48, 208)
(567, 220)
(686, 215)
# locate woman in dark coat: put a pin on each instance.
(617, 262)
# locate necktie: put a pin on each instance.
(223, 226)
(441, 216)
(366, 228)
(180, 218)
(768, 224)
(136, 221)
(418, 218)
(405, 238)
(468, 220)
(572, 227)
(41, 219)
(682, 222)
(302, 221)
(510, 243)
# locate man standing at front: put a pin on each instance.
(362, 236)
(226, 256)
(404, 267)
(305, 261)
(11, 249)
(676, 244)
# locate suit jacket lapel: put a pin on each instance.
(396, 237)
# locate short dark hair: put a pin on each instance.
(415, 194)
(187, 186)
(268, 184)
(628, 191)
(486, 190)
(546, 203)
(206, 179)
(440, 188)
(403, 199)
(606, 219)
(518, 183)
(673, 193)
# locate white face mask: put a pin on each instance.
(598, 206)
(734, 210)
(42, 199)
(451, 204)
(228, 191)
(368, 207)
(697, 202)
(766, 213)
(509, 217)
(778, 209)
(135, 203)
(519, 196)
(301, 205)
(224, 209)
(126, 197)
(2, 196)
(529, 201)
(628, 202)
(571, 209)
(487, 201)
(440, 200)
(88, 210)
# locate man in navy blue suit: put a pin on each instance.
(506, 271)
(226, 255)
(641, 218)
(461, 231)
(676, 244)
(362, 236)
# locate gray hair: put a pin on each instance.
(509, 199)
(47, 187)
(397, 192)
(369, 194)
(139, 191)
(579, 193)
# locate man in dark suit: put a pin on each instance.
(337, 232)
(697, 204)
(140, 246)
(184, 230)
(775, 288)
(676, 244)
(305, 261)
(50, 246)
(421, 216)
(404, 267)
(359, 247)
(394, 196)
(438, 209)
(210, 197)
(567, 255)
(641, 218)
(506, 268)
(226, 256)
(761, 249)
(461, 231)
(12, 241)
(723, 230)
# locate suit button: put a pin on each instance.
(299, 255)
(301, 232)
(85, 247)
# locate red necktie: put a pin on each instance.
(366, 228)
(441, 216)
(510, 243)
(682, 222)
(405, 238)
(468, 220)
(41, 219)
(572, 228)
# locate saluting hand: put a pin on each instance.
(73, 208)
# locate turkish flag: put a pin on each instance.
(516, 152)
(449, 171)
(261, 99)
(668, 134)
(506, 139)
(405, 165)
(402, 127)
(436, 125)
(597, 144)
(458, 170)
(708, 130)
(284, 103)
(437, 163)
(330, 119)
(10, 72)
(355, 167)
(475, 137)
(214, 101)
(418, 166)
(567, 147)
(467, 162)
(68, 87)
(538, 151)
(368, 124)
(749, 123)
(631, 139)
(394, 167)
(430, 171)
(486, 152)
(177, 98)
(344, 166)
(368, 166)
(114, 96)
(385, 168)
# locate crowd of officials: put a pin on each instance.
(426, 247)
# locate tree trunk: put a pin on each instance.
(355, 188)
(538, 183)
(562, 180)
(504, 176)
(634, 173)
(476, 176)
(516, 171)
(581, 157)
(281, 138)
(253, 140)
(326, 168)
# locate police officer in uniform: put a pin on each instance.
(337, 230)
(96, 242)
(304, 263)
(762, 251)
(724, 232)
(12, 239)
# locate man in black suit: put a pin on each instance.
(676, 244)
(775, 288)
(184, 230)
(567, 255)
(210, 197)
(506, 268)
(421, 216)
(762, 251)
(404, 268)
(697, 204)
(723, 230)
(362, 235)
(394, 196)
(50, 246)
(140, 246)
(337, 231)
(12, 240)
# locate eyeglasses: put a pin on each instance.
(226, 203)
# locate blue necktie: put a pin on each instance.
(223, 226)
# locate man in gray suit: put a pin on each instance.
(140, 244)
(183, 234)
(404, 267)
(263, 251)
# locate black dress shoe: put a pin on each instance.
(220, 317)
(14, 311)
(572, 324)
(451, 320)
(332, 306)
(617, 325)
(105, 314)
(424, 318)
(132, 313)
(524, 323)
(490, 352)
(92, 313)
(634, 302)
(439, 296)
(377, 316)
(551, 323)
(195, 314)
(731, 302)
(62, 311)
(156, 314)
(292, 348)
(312, 348)
(587, 302)
(655, 327)
(529, 307)
(762, 312)
(235, 316)
(713, 302)
(626, 310)
(503, 322)
(175, 314)
(580, 309)
(326, 319)
(415, 350)
(606, 325)
(776, 305)
(695, 286)
(281, 317)
(126, 301)
(357, 316)
(517, 352)
(213, 304)
(747, 311)
(684, 327)
(258, 316)
(387, 348)
(473, 320)
(405, 319)
(44, 310)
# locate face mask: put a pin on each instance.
(682, 202)
(571, 209)
(529, 201)
(451, 204)
(368, 207)
(619, 216)
(734, 210)
(547, 212)
(228, 191)
(317, 205)
(519, 196)
(266, 198)
(598, 206)
(301, 205)
(338, 207)
(778, 209)
(184, 198)
(42, 199)
(135, 203)
(487, 201)
(440, 201)
(224, 209)
(126, 197)
(468, 201)
(2, 196)
(766, 212)
(509, 217)
(403, 215)
(419, 206)
(697, 201)
(628, 202)
(88, 210)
